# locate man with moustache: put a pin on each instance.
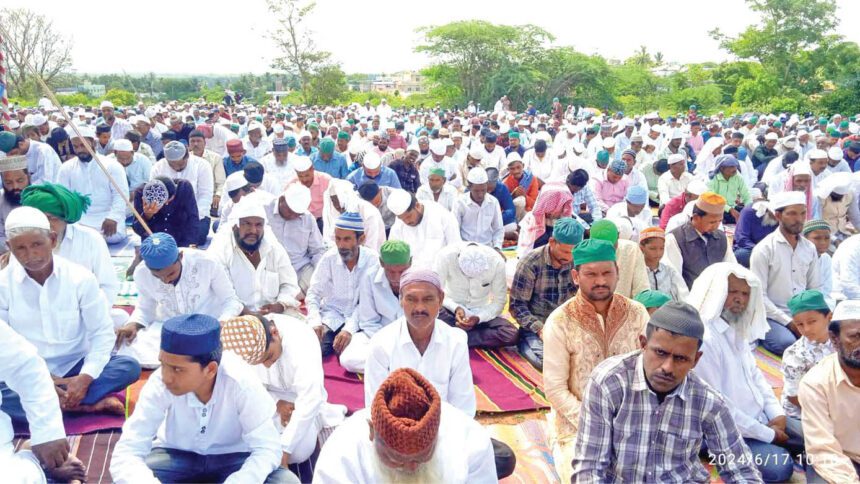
(296, 229)
(15, 177)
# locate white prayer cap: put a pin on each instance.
(677, 134)
(255, 125)
(399, 201)
(122, 144)
(772, 137)
(371, 161)
(140, 119)
(801, 168)
(12, 163)
(802, 132)
(448, 142)
(697, 187)
(86, 131)
(38, 119)
(305, 134)
(847, 310)
(477, 175)
(477, 152)
(301, 163)
(14, 124)
(834, 153)
(473, 260)
(248, 207)
(298, 197)
(816, 154)
(514, 156)
(656, 129)
(150, 112)
(839, 185)
(608, 143)
(235, 181)
(457, 134)
(26, 218)
(578, 148)
(106, 104)
(676, 158)
(437, 147)
(278, 128)
(789, 142)
(629, 123)
(785, 199)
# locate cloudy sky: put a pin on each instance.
(199, 37)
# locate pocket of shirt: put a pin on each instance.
(271, 285)
(67, 326)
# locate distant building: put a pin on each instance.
(92, 90)
(404, 83)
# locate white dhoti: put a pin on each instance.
(354, 356)
(145, 347)
(520, 207)
(304, 276)
(21, 467)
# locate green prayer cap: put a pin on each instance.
(350, 121)
(593, 250)
(437, 172)
(605, 230)
(777, 124)
(395, 253)
(514, 134)
(843, 124)
(56, 200)
(234, 126)
(816, 224)
(259, 118)
(7, 141)
(833, 132)
(822, 120)
(652, 299)
(603, 156)
(809, 300)
(327, 146)
(280, 115)
(567, 231)
(342, 135)
(754, 120)
(313, 126)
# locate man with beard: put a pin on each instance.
(786, 263)
(415, 437)
(438, 190)
(80, 174)
(259, 268)
(13, 171)
(197, 147)
(596, 318)
(829, 396)
(118, 126)
(296, 230)
(43, 163)
(729, 299)
(426, 226)
(169, 283)
(633, 394)
(334, 290)
(256, 145)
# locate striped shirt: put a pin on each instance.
(627, 435)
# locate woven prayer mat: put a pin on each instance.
(530, 444)
(770, 366)
(94, 450)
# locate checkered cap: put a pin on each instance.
(245, 336)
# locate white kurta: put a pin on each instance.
(333, 294)
(263, 148)
(447, 164)
(43, 163)
(482, 223)
(463, 446)
(89, 179)
(198, 172)
(236, 419)
(83, 245)
(218, 142)
(436, 230)
(447, 197)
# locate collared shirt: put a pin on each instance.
(447, 197)
(138, 171)
(670, 187)
(830, 402)
(386, 177)
(119, 128)
(198, 173)
(86, 247)
(797, 360)
(846, 269)
(727, 364)
(231, 167)
(318, 188)
(549, 168)
(445, 362)
(335, 288)
(237, 418)
(203, 287)
(608, 193)
(263, 148)
(273, 280)
(733, 190)
(66, 319)
(627, 434)
(300, 237)
(494, 159)
(538, 288)
(463, 446)
(667, 280)
(447, 164)
(378, 306)
(438, 228)
(784, 272)
(334, 166)
(483, 296)
(480, 223)
(586, 196)
(43, 163)
(638, 223)
(89, 179)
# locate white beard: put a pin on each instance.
(432, 471)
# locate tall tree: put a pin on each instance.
(295, 41)
(47, 51)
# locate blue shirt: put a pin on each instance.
(506, 202)
(230, 167)
(386, 178)
(154, 142)
(301, 151)
(336, 166)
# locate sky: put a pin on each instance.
(376, 36)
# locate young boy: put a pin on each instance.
(811, 315)
(819, 232)
(661, 277)
(652, 300)
(207, 415)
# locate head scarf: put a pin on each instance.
(550, 200)
(801, 168)
(56, 200)
(708, 296)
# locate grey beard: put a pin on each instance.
(768, 220)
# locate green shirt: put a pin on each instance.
(732, 189)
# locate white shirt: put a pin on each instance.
(273, 280)
(198, 172)
(43, 163)
(447, 164)
(447, 197)
(445, 362)
(119, 129)
(263, 148)
(83, 245)
(437, 229)
(202, 288)
(89, 179)
(727, 364)
(334, 287)
(238, 418)
(548, 169)
(483, 296)
(784, 272)
(66, 319)
(378, 306)
(846, 269)
(639, 222)
(480, 223)
(463, 445)
(670, 187)
(218, 142)
(495, 159)
(280, 173)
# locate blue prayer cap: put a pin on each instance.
(617, 166)
(280, 144)
(159, 250)
(350, 221)
(637, 195)
(191, 335)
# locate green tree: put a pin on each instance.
(120, 97)
(326, 86)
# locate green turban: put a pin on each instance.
(56, 200)
(327, 146)
(810, 300)
(395, 253)
(652, 299)
(593, 250)
(567, 231)
(605, 230)
(342, 135)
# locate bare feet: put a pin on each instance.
(105, 405)
(71, 470)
